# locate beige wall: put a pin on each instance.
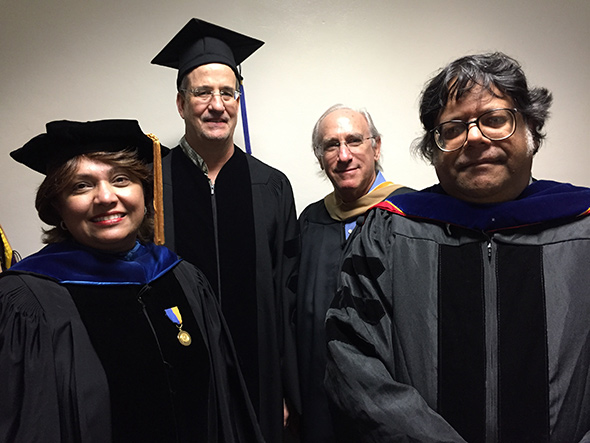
(86, 60)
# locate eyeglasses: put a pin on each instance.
(497, 124)
(351, 143)
(206, 95)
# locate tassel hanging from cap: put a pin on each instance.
(245, 118)
(158, 193)
(8, 257)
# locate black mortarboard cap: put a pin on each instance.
(200, 43)
(66, 139)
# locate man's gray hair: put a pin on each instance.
(316, 136)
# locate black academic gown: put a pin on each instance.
(322, 245)
(243, 234)
(83, 361)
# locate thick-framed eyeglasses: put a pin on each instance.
(206, 95)
(496, 124)
(352, 143)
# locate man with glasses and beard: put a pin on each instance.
(462, 313)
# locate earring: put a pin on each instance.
(63, 226)
(144, 211)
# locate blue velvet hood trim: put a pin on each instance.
(542, 201)
(69, 262)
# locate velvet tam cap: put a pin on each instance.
(66, 139)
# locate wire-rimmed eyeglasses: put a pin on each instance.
(206, 95)
(351, 143)
(496, 124)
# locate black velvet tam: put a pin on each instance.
(66, 139)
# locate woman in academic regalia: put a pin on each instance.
(105, 336)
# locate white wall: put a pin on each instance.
(90, 59)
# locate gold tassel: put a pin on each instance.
(7, 254)
(158, 193)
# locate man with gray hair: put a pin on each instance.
(462, 312)
(347, 146)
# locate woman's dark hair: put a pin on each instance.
(497, 73)
(59, 178)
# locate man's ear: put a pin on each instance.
(377, 148)
(532, 144)
(180, 100)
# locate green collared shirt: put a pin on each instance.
(194, 157)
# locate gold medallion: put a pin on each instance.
(184, 338)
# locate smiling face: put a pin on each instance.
(103, 206)
(214, 121)
(350, 169)
(484, 171)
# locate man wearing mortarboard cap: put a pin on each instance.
(233, 216)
